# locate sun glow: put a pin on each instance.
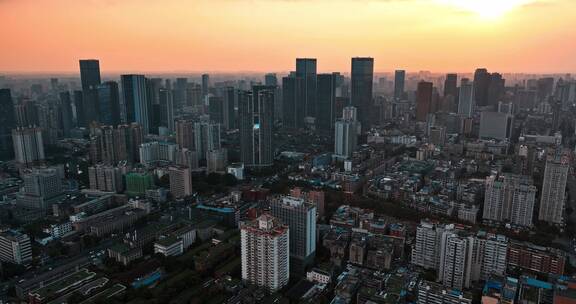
(489, 9)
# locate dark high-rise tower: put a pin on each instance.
(451, 85)
(66, 110)
(205, 84)
(481, 84)
(7, 123)
(255, 123)
(138, 107)
(293, 107)
(361, 88)
(90, 78)
(109, 103)
(89, 73)
(166, 109)
(306, 69)
(424, 104)
(495, 89)
(325, 117)
(399, 79)
(79, 109)
(229, 115)
(270, 79)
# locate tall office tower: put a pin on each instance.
(180, 181)
(270, 79)
(180, 92)
(79, 109)
(293, 107)
(255, 123)
(326, 101)
(153, 86)
(89, 73)
(424, 100)
(206, 137)
(481, 85)
(346, 133)
(496, 89)
(216, 109)
(300, 216)
(265, 253)
(229, 115)
(509, 198)
(15, 247)
(451, 85)
(136, 102)
(494, 125)
(185, 134)
(166, 109)
(399, 79)
(194, 96)
(456, 262)
(106, 178)
(7, 123)
(552, 198)
(361, 88)
(67, 119)
(205, 84)
(426, 249)
(28, 145)
(466, 98)
(216, 160)
(494, 250)
(109, 103)
(90, 78)
(306, 69)
(274, 91)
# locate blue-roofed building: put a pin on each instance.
(535, 291)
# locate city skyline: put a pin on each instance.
(259, 36)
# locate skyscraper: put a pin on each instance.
(399, 79)
(326, 101)
(7, 123)
(552, 198)
(185, 134)
(109, 103)
(180, 181)
(306, 69)
(206, 138)
(451, 85)
(255, 119)
(28, 145)
(270, 79)
(510, 199)
(496, 89)
(265, 253)
(136, 102)
(166, 109)
(293, 107)
(424, 100)
(481, 85)
(79, 109)
(494, 125)
(466, 98)
(180, 92)
(89, 73)
(67, 119)
(229, 114)
(361, 88)
(300, 216)
(205, 84)
(455, 260)
(346, 133)
(90, 78)
(426, 249)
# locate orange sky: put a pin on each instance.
(266, 35)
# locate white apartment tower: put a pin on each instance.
(265, 253)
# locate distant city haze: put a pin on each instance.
(535, 36)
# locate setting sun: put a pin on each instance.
(487, 8)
